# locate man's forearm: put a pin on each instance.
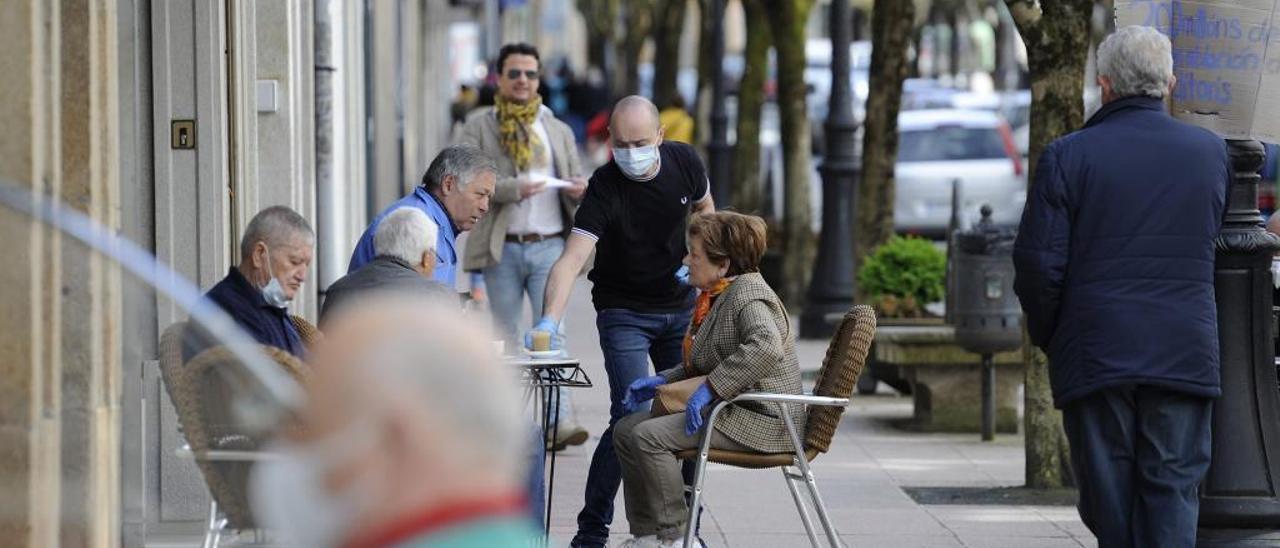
(559, 284)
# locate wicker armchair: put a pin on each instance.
(309, 333)
(845, 359)
(202, 399)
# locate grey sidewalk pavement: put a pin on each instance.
(861, 478)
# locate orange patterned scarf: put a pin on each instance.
(700, 310)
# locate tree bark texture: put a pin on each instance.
(1057, 36)
(708, 68)
(787, 19)
(601, 18)
(892, 23)
(746, 191)
(638, 15)
(668, 22)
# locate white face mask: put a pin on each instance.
(287, 493)
(636, 162)
(274, 292)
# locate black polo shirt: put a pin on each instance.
(639, 230)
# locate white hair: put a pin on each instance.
(276, 226)
(406, 233)
(1138, 61)
(427, 354)
(463, 162)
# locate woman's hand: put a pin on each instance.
(640, 391)
(693, 411)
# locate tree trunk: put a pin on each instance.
(1057, 36)
(787, 19)
(638, 16)
(892, 22)
(668, 22)
(746, 191)
(600, 17)
(708, 68)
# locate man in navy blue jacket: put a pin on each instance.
(275, 254)
(1114, 262)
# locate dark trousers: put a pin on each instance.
(629, 341)
(1139, 453)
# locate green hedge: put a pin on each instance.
(906, 269)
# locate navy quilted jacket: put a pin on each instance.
(1115, 252)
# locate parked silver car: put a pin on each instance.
(936, 147)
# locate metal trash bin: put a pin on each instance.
(987, 315)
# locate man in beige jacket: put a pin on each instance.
(539, 185)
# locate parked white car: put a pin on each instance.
(936, 147)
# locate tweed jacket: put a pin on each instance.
(484, 244)
(746, 343)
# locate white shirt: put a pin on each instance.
(540, 213)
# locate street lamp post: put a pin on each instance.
(1240, 496)
(718, 145)
(831, 289)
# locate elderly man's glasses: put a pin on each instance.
(514, 74)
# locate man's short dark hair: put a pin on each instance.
(517, 48)
(464, 162)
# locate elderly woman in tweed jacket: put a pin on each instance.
(741, 339)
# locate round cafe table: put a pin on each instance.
(543, 376)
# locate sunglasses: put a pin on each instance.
(514, 74)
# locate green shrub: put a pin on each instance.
(907, 270)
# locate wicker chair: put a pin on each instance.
(307, 332)
(202, 399)
(846, 356)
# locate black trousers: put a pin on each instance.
(1139, 453)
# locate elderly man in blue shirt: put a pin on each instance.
(455, 194)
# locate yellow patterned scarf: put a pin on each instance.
(515, 132)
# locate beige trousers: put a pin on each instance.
(651, 482)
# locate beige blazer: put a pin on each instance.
(484, 244)
(746, 343)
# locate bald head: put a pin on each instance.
(634, 123)
(1273, 223)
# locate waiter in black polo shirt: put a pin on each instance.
(634, 216)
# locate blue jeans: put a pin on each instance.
(1139, 454)
(629, 340)
(535, 480)
(523, 270)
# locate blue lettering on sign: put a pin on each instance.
(1190, 88)
(1171, 18)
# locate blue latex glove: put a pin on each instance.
(549, 325)
(682, 275)
(693, 412)
(641, 390)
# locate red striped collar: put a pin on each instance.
(440, 518)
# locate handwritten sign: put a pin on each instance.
(1226, 56)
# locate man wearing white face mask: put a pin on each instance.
(634, 216)
(413, 437)
(275, 254)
